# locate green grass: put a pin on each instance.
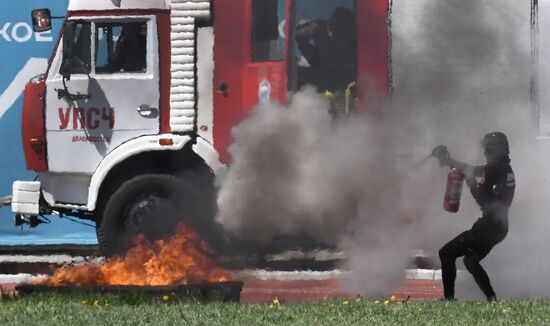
(83, 309)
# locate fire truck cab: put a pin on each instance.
(140, 97)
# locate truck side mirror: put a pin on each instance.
(68, 39)
(41, 20)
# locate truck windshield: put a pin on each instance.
(121, 47)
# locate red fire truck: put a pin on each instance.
(139, 98)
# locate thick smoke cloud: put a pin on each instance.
(461, 69)
(298, 171)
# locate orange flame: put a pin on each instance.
(179, 260)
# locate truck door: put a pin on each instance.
(112, 94)
(250, 55)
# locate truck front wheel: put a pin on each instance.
(153, 205)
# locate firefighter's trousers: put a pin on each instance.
(474, 244)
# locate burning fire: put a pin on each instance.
(180, 260)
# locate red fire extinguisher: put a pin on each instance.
(455, 180)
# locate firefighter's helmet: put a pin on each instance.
(496, 145)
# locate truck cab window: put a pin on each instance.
(267, 41)
(80, 61)
(121, 47)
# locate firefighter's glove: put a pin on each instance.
(305, 31)
(441, 153)
(471, 182)
(312, 28)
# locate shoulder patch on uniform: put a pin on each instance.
(510, 179)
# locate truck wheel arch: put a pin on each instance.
(138, 155)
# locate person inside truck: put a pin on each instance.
(265, 36)
(330, 50)
(81, 58)
(131, 48)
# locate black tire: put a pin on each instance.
(154, 204)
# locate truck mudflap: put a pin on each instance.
(26, 197)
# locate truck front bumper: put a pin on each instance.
(26, 197)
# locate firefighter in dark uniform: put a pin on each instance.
(494, 193)
(332, 56)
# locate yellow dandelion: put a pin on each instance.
(96, 303)
(393, 298)
(358, 299)
(504, 311)
(165, 298)
(478, 302)
(399, 302)
(345, 302)
(276, 301)
(270, 306)
(387, 302)
(376, 301)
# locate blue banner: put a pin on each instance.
(24, 54)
